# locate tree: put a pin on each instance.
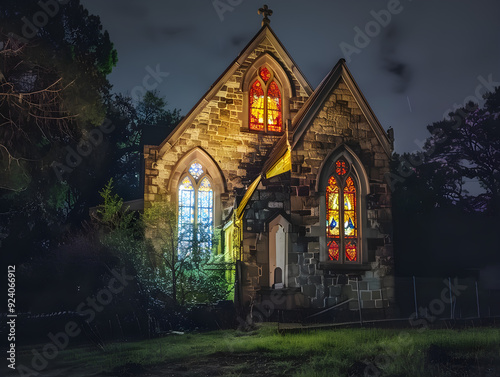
(127, 141)
(467, 146)
(464, 147)
(152, 111)
(193, 273)
(53, 78)
(435, 216)
(121, 232)
(52, 90)
(148, 245)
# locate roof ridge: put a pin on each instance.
(233, 66)
(339, 71)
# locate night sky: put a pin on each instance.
(429, 56)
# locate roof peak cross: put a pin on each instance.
(266, 12)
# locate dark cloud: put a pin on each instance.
(392, 62)
(172, 31)
(239, 40)
(402, 72)
(155, 33)
(130, 9)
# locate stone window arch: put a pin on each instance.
(265, 103)
(196, 185)
(343, 186)
(266, 90)
(195, 211)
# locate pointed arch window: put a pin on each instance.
(265, 103)
(195, 211)
(341, 215)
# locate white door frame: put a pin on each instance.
(279, 224)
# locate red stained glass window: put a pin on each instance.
(333, 250)
(265, 75)
(341, 167)
(265, 104)
(341, 204)
(333, 209)
(350, 225)
(273, 108)
(350, 251)
(332, 218)
(257, 109)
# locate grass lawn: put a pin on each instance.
(265, 352)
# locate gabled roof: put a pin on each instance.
(264, 32)
(315, 102)
(278, 150)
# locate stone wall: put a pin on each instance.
(221, 129)
(270, 199)
(340, 122)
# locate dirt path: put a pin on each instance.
(253, 364)
(218, 364)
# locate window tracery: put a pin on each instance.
(265, 103)
(341, 215)
(195, 211)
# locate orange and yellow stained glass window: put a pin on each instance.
(265, 104)
(264, 74)
(341, 204)
(341, 167)
(350, 221)
(332, 219)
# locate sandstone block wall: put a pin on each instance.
(221, 129)
(340, 121)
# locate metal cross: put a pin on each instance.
(265, 11)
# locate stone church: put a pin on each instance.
(291, 176)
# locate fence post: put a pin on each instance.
(477, 302)
(451, 298)
(149, 326)
(415, 296)
(359, 302)
(120, 326)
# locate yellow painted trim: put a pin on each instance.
(284, 164)
(247, 196)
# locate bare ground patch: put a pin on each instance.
(218, 364)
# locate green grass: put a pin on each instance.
(341, 352)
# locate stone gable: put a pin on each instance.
(218, 129)
(340, 121)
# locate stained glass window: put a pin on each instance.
(341, 167)
(196, 170)
(333, 250)
(349, 208)
(350, 250)
(265, 75)
(257, 109)
(273, 108)
(186, 216)
(265, 104)
(205, 214)
(333, 210)
(196, 203)
(341, 204)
